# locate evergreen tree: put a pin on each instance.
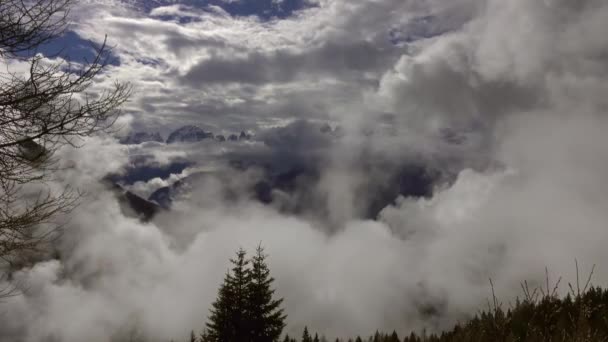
(265, 315)
(219, 325)
(245, 310)
(228, 320)
(204, 337)
(316, 339)
(306, 336)
(394, 337)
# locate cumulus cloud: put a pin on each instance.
(504, 100)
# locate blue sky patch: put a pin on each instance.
(264, 9)
(71, 47)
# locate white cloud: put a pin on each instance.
(521, 83)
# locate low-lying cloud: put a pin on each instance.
(508, 106)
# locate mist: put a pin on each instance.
(503, 105)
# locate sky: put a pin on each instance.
(245, 65)
(501, 103)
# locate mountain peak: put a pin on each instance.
(244, 136)
(188, 133)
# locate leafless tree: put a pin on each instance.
(41, 110)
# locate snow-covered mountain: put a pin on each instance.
(185, 134)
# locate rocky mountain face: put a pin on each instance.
(133, 205)
(165, 196)
(185, 134)
(189, 134)
(244, 136)
(141, 137)
(288, 173)
(293, 190)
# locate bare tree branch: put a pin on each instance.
(51, 106)
(25, 25)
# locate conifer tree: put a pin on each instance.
(306, 336)
(219, 325)
(316, 339)
(265, 315)
(228, 320)
(204, 337)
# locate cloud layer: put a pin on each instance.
(506, 98)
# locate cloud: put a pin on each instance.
(223, 70)
(505, 101)
(333, 59)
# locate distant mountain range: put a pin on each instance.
(189, 134)
(141, 137)
(185, 134)
(289, 172)
(262, 190)
(291, 190)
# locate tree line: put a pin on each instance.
(245, 311)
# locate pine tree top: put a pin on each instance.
(246, 309)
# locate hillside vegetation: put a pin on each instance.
(539, 315)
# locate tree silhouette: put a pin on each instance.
(245, 309)
(306, 336)
(266, 317)
(49, 106)
(228, 321)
